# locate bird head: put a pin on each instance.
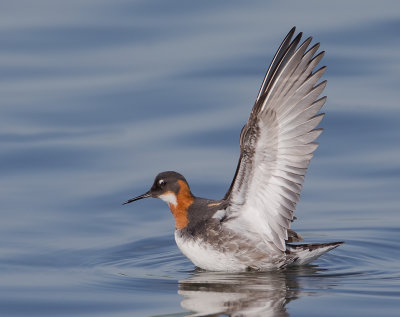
(166, 186)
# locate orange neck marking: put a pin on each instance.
(183, 201)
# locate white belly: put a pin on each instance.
(206, 257)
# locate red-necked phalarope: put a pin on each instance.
(250, 227)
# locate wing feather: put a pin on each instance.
(275, 61)
(298, 130)
(277, 144)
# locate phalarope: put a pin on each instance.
(249, 228)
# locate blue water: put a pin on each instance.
(97, 97)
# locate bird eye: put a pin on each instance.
(161, 183)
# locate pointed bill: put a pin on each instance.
(146, 195)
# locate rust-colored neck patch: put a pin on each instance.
(183, 201)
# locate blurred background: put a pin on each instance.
(97, 97)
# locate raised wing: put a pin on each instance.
(277, 144)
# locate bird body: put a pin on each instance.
(250, 227)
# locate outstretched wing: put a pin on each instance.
(277, 144)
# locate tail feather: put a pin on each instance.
(305, 253)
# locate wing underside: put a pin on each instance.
(277, 143)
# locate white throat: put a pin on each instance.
(169, 198)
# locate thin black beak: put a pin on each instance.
(146, 195)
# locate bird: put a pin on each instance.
(250, 227)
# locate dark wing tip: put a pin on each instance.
(291, 32)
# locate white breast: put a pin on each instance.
(207, 257)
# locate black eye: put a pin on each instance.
(161, 183)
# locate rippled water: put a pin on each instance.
(97, 97)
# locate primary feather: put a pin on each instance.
(277, 144)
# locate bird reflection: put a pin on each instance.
(242, 294)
